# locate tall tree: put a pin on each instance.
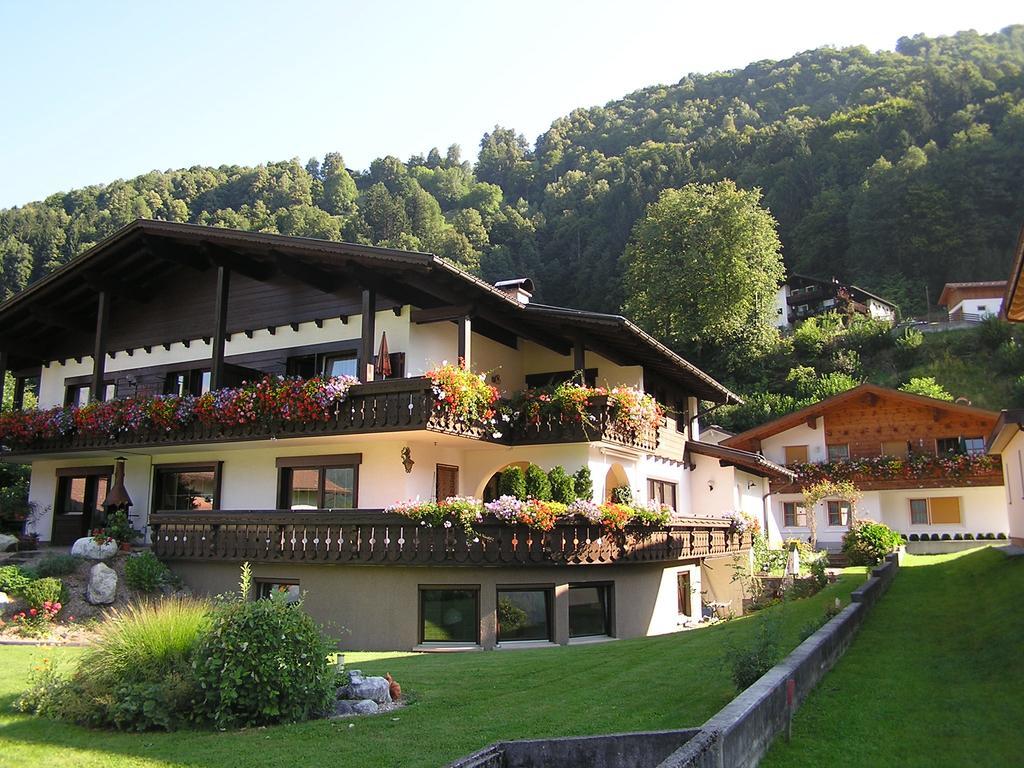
(703, 268)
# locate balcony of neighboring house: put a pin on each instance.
(311, 408)
(375, 537)
(892, 472)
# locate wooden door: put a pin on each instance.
(447, 481)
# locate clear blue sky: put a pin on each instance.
(96, 91)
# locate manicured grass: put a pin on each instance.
(934, 678)
(461, 702)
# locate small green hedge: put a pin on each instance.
(46, 590)
(868, 542)
(145, 572)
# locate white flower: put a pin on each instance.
(496, 435)
(447, 523)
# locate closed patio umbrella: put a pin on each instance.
(383, 365)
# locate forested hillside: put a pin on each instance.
(895, 170)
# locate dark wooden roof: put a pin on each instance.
(754, 463)
(136, 263)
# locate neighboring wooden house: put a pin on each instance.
(181, 309)
(920, 462)
(800, 297)
(973, 301)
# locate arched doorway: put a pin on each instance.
(616, 478)
(491, 488)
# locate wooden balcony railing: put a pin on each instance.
(380, 406)
(892, 473)
(364, 537)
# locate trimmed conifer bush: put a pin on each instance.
(512, 483)
(563, 486)
(537, 485)
(584, 484)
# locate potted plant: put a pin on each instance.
(120, 530)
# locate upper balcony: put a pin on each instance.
(382, 406)
(372, 537)
(882, 473)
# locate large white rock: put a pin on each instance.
(366, 707)
(7, 542)
(87, 547)
(102, 585)
(376, 689)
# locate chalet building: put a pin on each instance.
(164, 308)
(801, 297)
(973, 302)
(921, 464)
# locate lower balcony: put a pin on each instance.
(370, 537)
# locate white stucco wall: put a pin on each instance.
(774, 447)
(1013, 479)
(982, 307)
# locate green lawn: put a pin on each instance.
(461, 703)
(935, 677)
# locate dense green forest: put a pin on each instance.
(898, 170)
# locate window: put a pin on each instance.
(898, 448)
(796, 454)
(450, 615)
(193, 382)
(524, 614)
(265, 588)
(662, 491)
(838, 513)
(318, 482)
(974, 446)
(794, 515)
(590, 610)
(944, 445)
(919, 511)
(336, 363)
(683, 593)
(938, 510)
(186, 486)
(838, 452)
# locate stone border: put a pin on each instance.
(738, 736)
(741, 733)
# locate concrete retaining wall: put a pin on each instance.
(616, 750)
(739, 735)
(945, 547)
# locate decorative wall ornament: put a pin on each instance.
(407, 461)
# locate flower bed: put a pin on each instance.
(897, 468)
(464, 511)
(271, 399)
(462, 394)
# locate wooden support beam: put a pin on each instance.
(116, 288)
(308, 274)
(248, 334)
(220, 321)
(812, 422)
(147, 349)
(319, 323)
(167, 346)
(295, 327)
(579, 356)
(237, 262)
(272, 330)
(57, 319)
(368, 335)
(344, 319)
(181, 255)
(440, 314)
(99, 353)
(397, 309)
(3, 373)
(465, 354)
(18, 401)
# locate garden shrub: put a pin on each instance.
(818, 572)
(958, 537)
(56, 565)
(749, 663)
(809, 628)
(584, 484)
(935, 537)
(968, 537)
(993, 332)
(868, 542)
(45, 590)
(946, 537)
(512, 483)
(145, 572)
(563, 486)
(1000, 535)
(537, 485)
(269, 641)
(990, 536)
(622, 494)
(908, 347)
(13, 579)
(1009, 357)
(913, 537)
(868, 334)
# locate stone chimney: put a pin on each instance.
(520, 289)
